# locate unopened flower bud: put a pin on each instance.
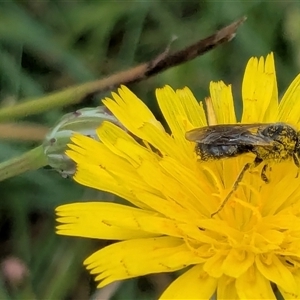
(84, 121)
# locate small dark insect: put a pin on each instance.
(269, 142)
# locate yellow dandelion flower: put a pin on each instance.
(252, 244)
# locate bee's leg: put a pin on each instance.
(247, 166)
(297, 163)
(263, 175)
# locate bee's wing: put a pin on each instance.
(230, 134)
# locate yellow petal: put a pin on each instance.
(117, 141)
(289, 108)
(130, 111)
(284, 192)
(222, 100)
(95, 163)
(211, 114)
(174, 113)
(101, 220)
(113, 221)
(272, 110)
(165, 144)
(237, 262)
(296, 295)
(257, 90)
(226, 288)
(213, 265)
(138, 257)
(274, 270)
(253, 285)
(194, 110)
(282, 221)
(111, 135)
(165, 207)
(192, 185)
(174, 191)
(192, 284)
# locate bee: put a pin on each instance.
(268, 142)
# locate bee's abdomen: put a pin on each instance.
(207, 152)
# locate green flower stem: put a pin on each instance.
(56, 99)
(31, 160)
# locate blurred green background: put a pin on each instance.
(48, 45)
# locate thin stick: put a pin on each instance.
(79, 93)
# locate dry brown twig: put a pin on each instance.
(79, 93)
(167, 60)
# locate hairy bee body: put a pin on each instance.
(268, 142)
(210, 152)
(277, 141)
